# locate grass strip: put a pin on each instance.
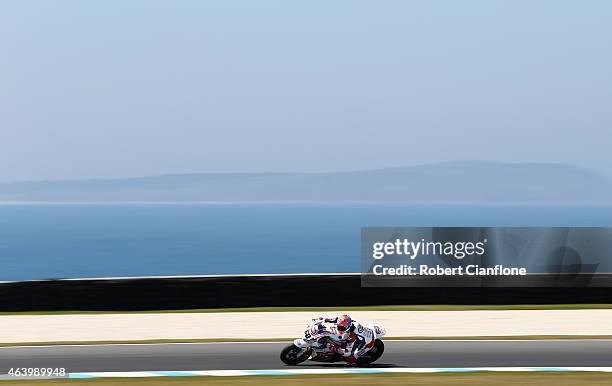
(435, 307)
(441, 379)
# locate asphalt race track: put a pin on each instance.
(237, 356)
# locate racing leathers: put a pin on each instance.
(357, 341)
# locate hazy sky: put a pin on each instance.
(126, 88)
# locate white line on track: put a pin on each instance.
(346, 370)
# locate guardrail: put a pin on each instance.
(131, 294)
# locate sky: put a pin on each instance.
(119, 88)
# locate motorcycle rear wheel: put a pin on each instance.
(293, 355)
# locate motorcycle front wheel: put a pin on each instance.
(293, 355)
(374, 353)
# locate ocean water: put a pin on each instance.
(103, 240)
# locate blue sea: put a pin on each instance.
(107, 240)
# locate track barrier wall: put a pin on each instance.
(133, 294)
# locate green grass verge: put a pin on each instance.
(446, 379)
(346, 309)
(225, 340)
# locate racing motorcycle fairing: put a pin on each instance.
(317, 337)
(379, 332)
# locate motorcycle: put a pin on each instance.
(314, 345)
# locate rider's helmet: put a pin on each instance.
(344, 325)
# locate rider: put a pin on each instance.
(357, 340)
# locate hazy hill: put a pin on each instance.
(474, 181)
